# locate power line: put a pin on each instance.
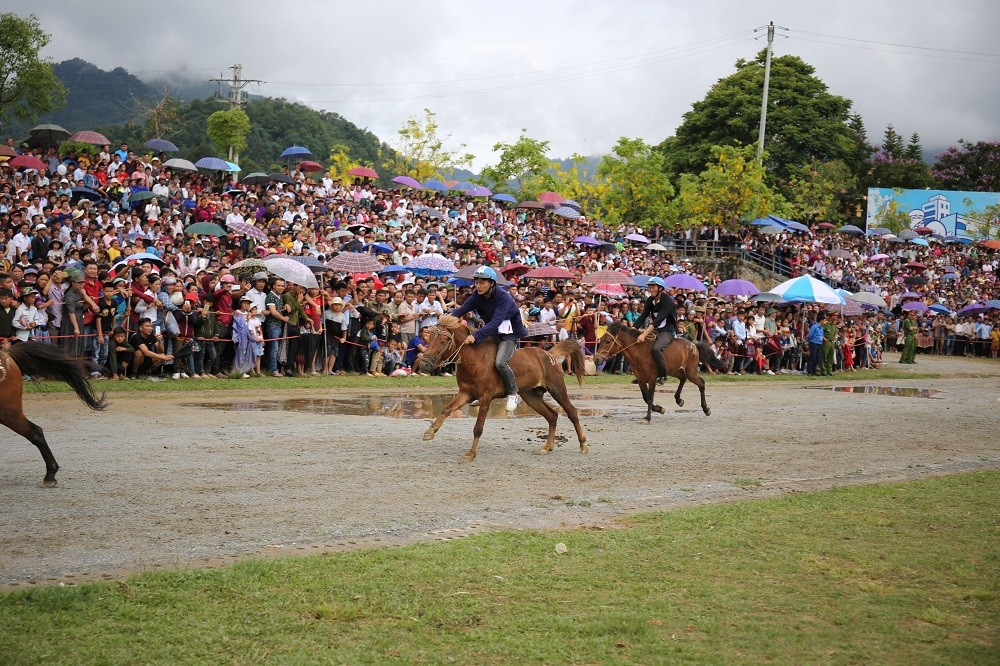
(907, 46)
(872, 48)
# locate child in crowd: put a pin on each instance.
(256, 337)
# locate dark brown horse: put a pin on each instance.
(682, 357)
(536, 371)
(40, 360)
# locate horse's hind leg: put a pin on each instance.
(477, 431)
(677, 395)
(30, 431)
(537, 403)
(459, 401)
(561, 396)
(700, 383)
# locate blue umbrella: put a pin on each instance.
(789, 224)
(950, 276)
(993, 304)
(379, 248)
(162, 145)
(762, 222)
(296, 151)
(807, 289)
(567, 212)
(436, 185)
(972, 310)
(145, 256)
(395, 268)
(212, 164)
(464, 186)
(504, 197)
(232, 166)
(851, 229)
(920, 241)
(940, 309)
(641, 280)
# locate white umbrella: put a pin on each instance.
(807, 289)
(869, 298)
(292, 271)
(179, 163)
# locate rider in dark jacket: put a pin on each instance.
(661, 311)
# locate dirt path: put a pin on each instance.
(164, 481)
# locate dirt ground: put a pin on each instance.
(169, 481)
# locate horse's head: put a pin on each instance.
(615, 339)
(443, 340)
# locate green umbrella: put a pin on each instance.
(140, 196)
(205, 229)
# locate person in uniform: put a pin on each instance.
(829, 344)
(910, 328)
(661, 311)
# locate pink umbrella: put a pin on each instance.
(28, 162)
(363, 172)
(88, 136)
(609, 290)
(551, 197)
(247, 230)
(878, 257)
(607, 277)
(354, 262)
(548, 273)
(310, 165)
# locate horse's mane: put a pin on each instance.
(451, 323)
(622, 327)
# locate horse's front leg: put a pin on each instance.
(477, 432)
(459, 401)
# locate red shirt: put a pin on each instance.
(223, 307)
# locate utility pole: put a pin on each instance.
(237, 97)
(767, 81)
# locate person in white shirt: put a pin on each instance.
(235, 216)
(26, 315)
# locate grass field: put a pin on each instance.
(379, 383)
(896, 573)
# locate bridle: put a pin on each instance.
(453, 357)
(618, 342)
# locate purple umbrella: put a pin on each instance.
(638, 238)
(972, 310)
(909, 294)
(686, 282)
(586, 240)
(354, 262)
(479, 191)
(248, 230)
(406, 181)
(916, 306)
(737, 288)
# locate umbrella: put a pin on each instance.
(879, 231)
(567, 212)
(468, 273)
(212, 164)
(309, 165)
(607, 277)
(244, 269)
(248, 230)
(767, 297)
(573, 204)
(916, 306)
(358, 227)
(7, 151)
(949, 269)
(993, 304)
(869, 298)
(280, 178)
(916, 265)
(435, 185)
(364, 172)
(972, 310)
(656, 247)
(433, 264)
(920, 241)
(685, 282)
(342, 233)
(736, 288)
(878, 257)
(205, 229)
(296, 151)
(950, 276)
(637, 238)
(232, 166)
(463, 186)
(379, 248)
(807, 289)
(504, 197)
(770, 230)
(255, 178)
(141, 195)
(793, 225)
(179, 163)
(88, 136)
(406, 181)
(552, 197)
(840, 253)
(923, 230)
(161, 145)
(531, 204)
(611, 290)
(450, 184)
(586, 240)
(514, 269)
(145, 256)
(908, 234)
(86, 193)
(354, 262)
(940, 309)
(762, 222)
(479, 191)
(309, 262)
(826, 225)
(292, 271)
(536, 328)
(548, 273)
(851, 229)
(641, 280)
(991, 244)
(915, 279)
(27, 162)
(850, 309)
(909, 294)
(47, 133)
(394, 268)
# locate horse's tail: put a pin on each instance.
(570, 350)
(45, 360)
(708, 357)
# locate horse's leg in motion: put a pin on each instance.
(561, 396)
(477, 431)
(459, 401)
(22, 426)
(537, 403)
(680, 385)
(700, 383)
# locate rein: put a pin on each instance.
(622, 350)
(453, 357)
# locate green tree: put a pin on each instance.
(228, 131)
(985, 223)
(804, 120)
(522, 167)
(822, 192)
(896, 165)
(28, 86)
(731, 188)
(914, 151)
(573, 182)
(340, 161)
(973, 167)
(420, 153)
(639, 188)
(892, 143)
(890, 217)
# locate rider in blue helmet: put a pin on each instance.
(661, 311)
(502, 320)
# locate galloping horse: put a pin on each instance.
(40, 360)
(681, 355)
(535, 370)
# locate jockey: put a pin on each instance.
(661, 311)
(502, 319)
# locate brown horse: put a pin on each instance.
(40, 360)
(681, 355)
(535, 370)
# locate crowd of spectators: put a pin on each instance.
(94, 257)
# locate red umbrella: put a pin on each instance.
(531, 204)
(826, 225)
(88, 136)
(923, 231)
(991, 244)
(309, 165)
(364, 172)
(7, 151)
(917, 266)
(552, 197)
(515, 269)
(28, 162)
(548, 273)
(607, 277)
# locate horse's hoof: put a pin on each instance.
(428, 436)
(584, 448)
(708, 411)
(544, 450)
(680, 402)
(468, 457)
(658, 409)
(49, 483)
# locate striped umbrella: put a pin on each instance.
(354, 262)
(807, 289)
(607, 277)
(88, 136)
(610, 290)
(247, 230)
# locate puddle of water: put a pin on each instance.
(893, 391)
(394, 406)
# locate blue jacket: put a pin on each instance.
(816, 333)
(493, 310)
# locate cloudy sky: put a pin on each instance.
(579, 74)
